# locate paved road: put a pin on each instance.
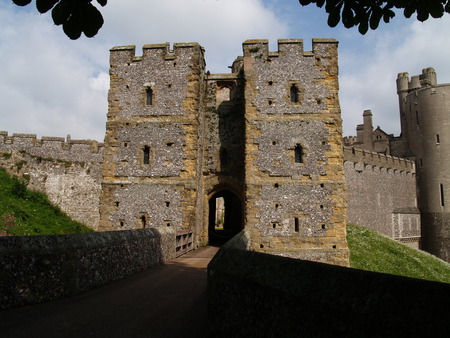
(166, 301)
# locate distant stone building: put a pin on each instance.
(371, 140)
(425, 139)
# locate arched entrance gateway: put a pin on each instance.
(225, 218)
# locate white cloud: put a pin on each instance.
(50, 85)
(45, 82)
(100, 82)
(218, 25)
(368, 76)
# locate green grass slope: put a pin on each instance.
(374, 252)
(26, 212)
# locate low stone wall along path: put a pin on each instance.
(168, 300)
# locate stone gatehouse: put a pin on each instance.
(264, 141)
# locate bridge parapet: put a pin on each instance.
(36, 269)
(253, 294)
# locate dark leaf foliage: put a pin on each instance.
(21, 2)
(368, 13)
(75, 16)
(45, 5)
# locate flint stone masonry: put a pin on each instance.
(165, 142)
(151, 161)
(224, 124)
(169, 70)
(303, 70)
(385, 203)
(165, 200)
(42, 268)
(313, 219)
(277, 143)
(53, 147)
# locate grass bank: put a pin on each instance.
(374, 252)
(27, 212)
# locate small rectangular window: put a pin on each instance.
(437, 139)
(441, 188)
(296, 224)
(149, 100)
(146, 155)
(298, 152)
(294, 94)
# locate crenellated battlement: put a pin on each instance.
(349, 140)
(127, 54)
(426, 79)
(260, 47)
(54, 147)
(45, 141)
(380, 160)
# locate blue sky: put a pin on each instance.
(52, 86)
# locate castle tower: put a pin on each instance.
(151, 172)
(295, 189)
(425, 126)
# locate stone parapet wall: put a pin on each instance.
(252, 294)
(69, 174)
(42, 268)
(376, 159)
(53, 147)
(68, 171)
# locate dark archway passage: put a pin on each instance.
(225, 217)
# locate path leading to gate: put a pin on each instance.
(165, 301)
